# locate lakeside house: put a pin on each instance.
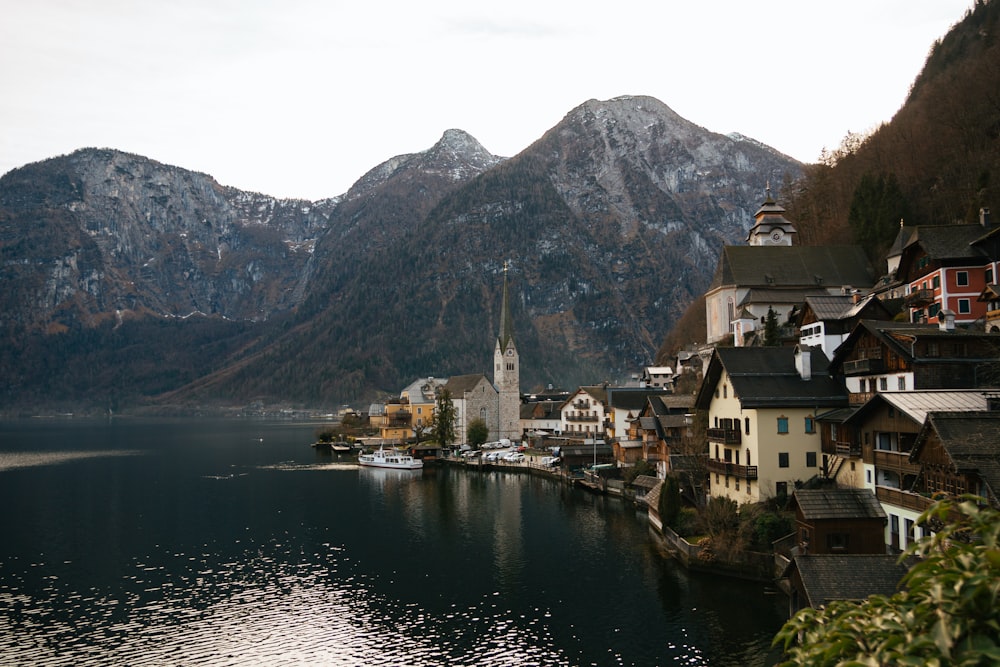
(762, 404)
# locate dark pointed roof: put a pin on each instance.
(506, 334)
(816, 504)
(829, 577)
(766, 377)
(783, 267)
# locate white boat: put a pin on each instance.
(390, 458)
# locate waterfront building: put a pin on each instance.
(762, 404)
(771, 273)
(473, 397)
(507, 374)
(584, 414)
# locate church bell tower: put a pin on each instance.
(506, 375)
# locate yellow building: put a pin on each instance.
(762, 433)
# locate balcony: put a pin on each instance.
(580, 417)
(863, 366)
(895, 461)
(727, 436)
(920, 298)
(723, 468)
(900, 498)
(843, 448)
(581, 404)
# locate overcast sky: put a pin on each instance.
(299, 98)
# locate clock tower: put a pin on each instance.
(506, 372)
(770, 227)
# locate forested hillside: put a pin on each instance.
(937, 161)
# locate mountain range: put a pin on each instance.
(130, 283)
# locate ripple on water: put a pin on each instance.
(266, 609)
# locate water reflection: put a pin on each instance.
(211, 551)
(15, 460)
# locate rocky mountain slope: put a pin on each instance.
(612, 222)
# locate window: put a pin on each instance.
(964, 306)
(932, 350)
(725, 391)
(989, 276)
(810, 459)
(883, 384)
(936, 282)
(837, 542)
(782, 424)
(746, 422)
(933, 310)
(782, 459)
(810, 425)
(900, 384)
(962, 278)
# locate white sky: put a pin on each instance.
(299, 98)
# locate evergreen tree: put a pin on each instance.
(670, 501)
(443, 424)
(772, 332)
(877, 207)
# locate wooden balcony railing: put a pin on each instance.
(898, 461)
(727, 436)
(900, 498)
(863, 366)
(723, 468)
(919, 298)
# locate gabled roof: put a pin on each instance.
(423, 390)
(793, 266)
(795, 296)
(645, 481)
(836, 307)
(829, 577)
(460, 384)
(903, 237)
(899, 337)
(766, 377)
(672, 403)
(541, 410)
(632, 398)
(818, 504)
(971, 441)
(947, 242)
(598, 392)
(917, 404)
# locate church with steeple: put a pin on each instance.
(506, 371)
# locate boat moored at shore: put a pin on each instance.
(389, 458)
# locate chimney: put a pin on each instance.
(946, 320)
(803, 361)
(984, 217)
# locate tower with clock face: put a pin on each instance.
(506, 375)
(770, 227)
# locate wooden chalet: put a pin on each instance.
(958, 453)
(897, 356)
(839, 521)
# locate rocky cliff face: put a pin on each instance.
(101, 233)
(612, 222)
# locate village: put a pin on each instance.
(845, 400)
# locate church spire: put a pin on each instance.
(506, 321)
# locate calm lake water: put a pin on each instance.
(235, 543)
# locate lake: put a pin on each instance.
(234, 542)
